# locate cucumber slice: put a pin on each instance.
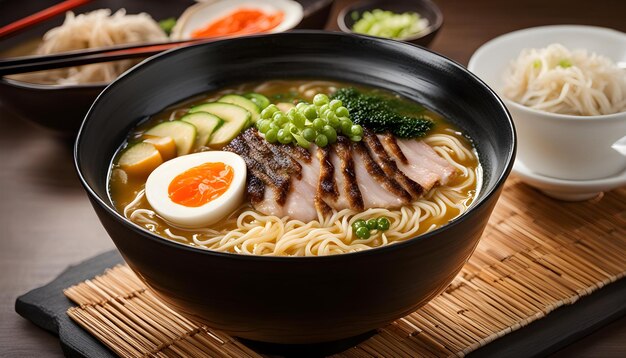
(205, 123)
(183, 133)
(244, 103)
(235, 120)
(140, 160)
(260, 100)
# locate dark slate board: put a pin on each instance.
(46, 307)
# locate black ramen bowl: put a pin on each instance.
(298, 299)
(425, 8)
(61, 108)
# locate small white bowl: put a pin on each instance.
(556, 145)
(203, 13)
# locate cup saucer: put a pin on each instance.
(568, 190)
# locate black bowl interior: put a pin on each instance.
(425, 8)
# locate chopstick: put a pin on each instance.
(40, 16)
(84, 57)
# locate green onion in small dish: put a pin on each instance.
(388, 24)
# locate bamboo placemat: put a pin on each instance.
(536, 255)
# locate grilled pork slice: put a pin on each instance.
(380, 171)
(348, 194)
(306, 188)
(326, 191)
(267, 190)
(377, 189)
(274, 184)
(388, 165)
(418, 161)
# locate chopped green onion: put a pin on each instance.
(310, 112)
(307, 123)
(284, 136)
(383, 223)
(356, 130)
(309, 134)
(263, 125)
(389, 24)
(346, 126)
(363, 233)
(330, 134)
(271, 135)
(299, 120)
(358, 223)
(342, 112)
(318, 124)
(320, 99)
(335, 104)
(332, 119)
(321, 140)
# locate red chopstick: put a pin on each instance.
(40, 16)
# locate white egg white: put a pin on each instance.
(195, 217)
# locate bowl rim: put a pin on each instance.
(475, 206)
(519, 35)
(341, 20)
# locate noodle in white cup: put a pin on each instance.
(577, 79)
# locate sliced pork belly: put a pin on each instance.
(303, 201)
(377, 189)
(345, 176)
(274, 179)
(388, 165)
(267, 190)
(415, 148)
(418, 161)
(380, 171)
(326, 191)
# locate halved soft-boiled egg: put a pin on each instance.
(197, 190)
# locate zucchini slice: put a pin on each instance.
(260, 100)
(244, 103)
(205, 123)
(235, 120)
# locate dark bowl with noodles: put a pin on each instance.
(61, 107)
(286, 299)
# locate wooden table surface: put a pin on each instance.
(46, 222)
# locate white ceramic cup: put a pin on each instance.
(557, 145)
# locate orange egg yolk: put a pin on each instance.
(240, 22)
(201, 184)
